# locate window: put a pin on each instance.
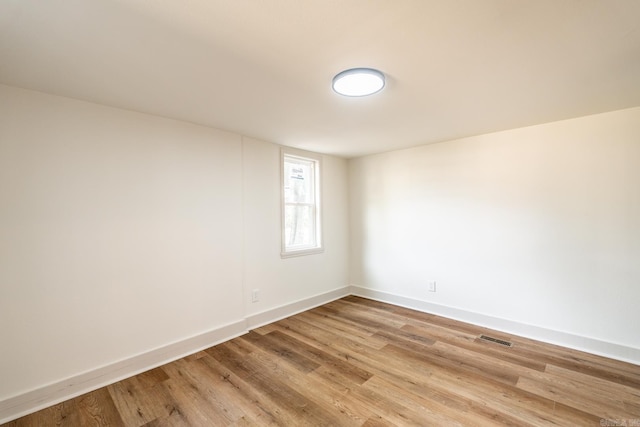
(301, 225)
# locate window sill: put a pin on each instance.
(301, 252)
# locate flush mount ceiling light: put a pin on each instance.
(358, 82)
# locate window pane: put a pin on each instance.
(298, 181)
(299, 225)
(301, 234)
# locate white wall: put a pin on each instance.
(537, 226)
(121, 233)
(295, 277)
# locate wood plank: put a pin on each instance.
(570, 394)
(323, 358)
(284, 352)
(197, 399)
(344, 326)
(595, 385)
(340, 324)
(358, 362)
(432, 411)
(257, 409)
(285, 403)
(97, 409)
(138, 404)
(338, 408)
(471, 342)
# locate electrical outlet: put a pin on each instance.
(255, 295)
(431, 286)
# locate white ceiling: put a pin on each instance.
(263, 68)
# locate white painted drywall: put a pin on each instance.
(538, 225)
(119, 232)
(281, 280)
(122, 233)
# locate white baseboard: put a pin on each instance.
(577, 342)
(59, 391)
(51, 394)
(278, 313)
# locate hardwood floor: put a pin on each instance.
(357, 362)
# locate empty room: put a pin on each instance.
(307, 212)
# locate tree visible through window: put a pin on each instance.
(301, 209)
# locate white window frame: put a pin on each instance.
(293, 153)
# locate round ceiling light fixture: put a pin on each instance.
(358, 82)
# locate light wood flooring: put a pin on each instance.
(357, 362)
